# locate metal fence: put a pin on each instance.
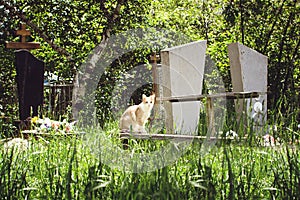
(58, 100)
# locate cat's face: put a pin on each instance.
(148, 101)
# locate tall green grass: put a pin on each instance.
(66, 169)
(69, 168)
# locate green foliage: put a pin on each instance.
(8, 73)
(270, 27)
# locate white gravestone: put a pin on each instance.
(182, 75)
(248, 70)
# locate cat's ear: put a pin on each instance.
(153, 95)
(144, 97)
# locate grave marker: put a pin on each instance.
(248, 70)
(30, 82)
(182, 75)
(30, 75)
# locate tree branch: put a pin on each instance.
(81, 80)
(242, 21)
(281, 49)
(273, 27)
(14, 12)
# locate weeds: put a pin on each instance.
(66, 168)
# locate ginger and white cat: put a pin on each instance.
(135, 117)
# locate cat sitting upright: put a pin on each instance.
(135, 117)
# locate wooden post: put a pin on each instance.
(210, 116)
(154, 58)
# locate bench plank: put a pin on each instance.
(227, 95)
(146, 136)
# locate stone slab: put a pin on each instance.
(182, 75)
(249, 73)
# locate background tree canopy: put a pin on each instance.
(69, 30)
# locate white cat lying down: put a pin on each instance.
(135, 117)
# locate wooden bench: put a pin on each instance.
(126, 134)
